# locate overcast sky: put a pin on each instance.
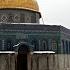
(55, 12)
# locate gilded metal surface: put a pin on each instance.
(22, 4)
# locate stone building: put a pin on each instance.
(19, 23)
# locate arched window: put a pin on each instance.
(63, 46)
(54, 45)
(22, 18)
(16, 17)
(0, 45)
(66, 47)
(69, 46)
(34, 42)
(45, 45)
(33, 18)
(10, 19)
(9, 45)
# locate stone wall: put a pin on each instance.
(51, 62)
(7, 62)
(37, 62)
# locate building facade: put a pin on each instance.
(21, 34)
(20, 23)
(41, 37)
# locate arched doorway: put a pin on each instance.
(22, 57)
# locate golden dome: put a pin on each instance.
(21, 4)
